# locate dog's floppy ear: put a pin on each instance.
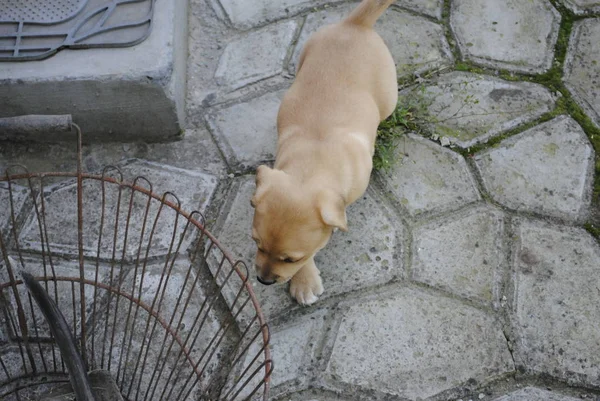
(332, 209)
(261, 184)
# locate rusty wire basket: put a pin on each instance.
(150, 295)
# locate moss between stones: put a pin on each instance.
(406, 119)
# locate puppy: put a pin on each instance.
(327, 123)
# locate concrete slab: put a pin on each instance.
(516, 35)
(471, 108)
(244, 15)
(432, 8)
(415, 345)
(555, 301)
(462, 254)
(367, 255)
(417, 44)
(546, 169)
(535, 394)
(194, 190)
(167, 288)
(582, 7)
(582, 68)
(255, 56)
(11, 207)
(247, 132)
(66, 295)
(113, 94)
(429, 178)
(293, 349)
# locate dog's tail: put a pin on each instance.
(368, 11)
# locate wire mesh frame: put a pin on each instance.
(189, 348)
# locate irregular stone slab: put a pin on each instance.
(173, 291)
(416, 44)
(535, 394)
(367, 255)
(416, 345)
(462, 254)
(244, 15)
(512, 34)
(193, 189)
(255, 56)
(471, 108)
(556, 314)
(11, 206)
(63, 292)
(293, 349)
(433, 8)
(247, 132)
(546, 169)
(582, 66)
(429, 178)
(582, 7)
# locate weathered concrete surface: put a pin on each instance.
(194, 190)
(255, 56)
(11, 206)
(293, 349)
(582, 66)
(244, 15)
(582, 7)
(426, 343)
(462, 254)
(432, 8)
(247, 132)
(417, 44)
(546, 170)
(511, 34)
(113, 94)
(535, 394)
(367, 255)
(471, 108)
(555, 313)
(429, 178)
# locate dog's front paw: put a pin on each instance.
(306, 286)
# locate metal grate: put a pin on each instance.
(37, 29)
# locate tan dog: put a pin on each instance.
(327, 123)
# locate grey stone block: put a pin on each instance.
(582, 67)
(429, 178)
(113, 94)
(556, 297)
(416, 345)
(11, 207)
(247, 132)
(470, 108)
(367, 255)
(546, 169)
(417, 44)
(194, 190)
(293, 348)
(516, 35)
(582, 7)
(244, 15)
(463, 254)
(255, 56)
(535, 394)
(432, 8)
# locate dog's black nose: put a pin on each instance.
(260, 280)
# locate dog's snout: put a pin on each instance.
(265, 282)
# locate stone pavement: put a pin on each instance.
(468, 272)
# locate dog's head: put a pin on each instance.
(292, 221)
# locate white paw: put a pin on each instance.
(306, 293)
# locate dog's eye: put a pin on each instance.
(289, 260)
